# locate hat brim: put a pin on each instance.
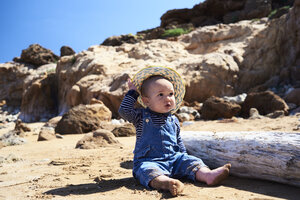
(169, 73)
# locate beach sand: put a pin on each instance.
(56, 170)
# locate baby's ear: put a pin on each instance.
(145, 100)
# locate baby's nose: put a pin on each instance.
(168, 98)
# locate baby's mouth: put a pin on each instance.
(168, 105)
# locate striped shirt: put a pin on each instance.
(134, 116)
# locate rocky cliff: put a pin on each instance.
(217, 60)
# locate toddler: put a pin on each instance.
(160, 157)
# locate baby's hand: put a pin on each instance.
(131, 85)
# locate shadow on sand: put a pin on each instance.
(263, 187)
(99, 186)
(103, 186)
(268, 188)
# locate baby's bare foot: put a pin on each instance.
(175, 187)
(166, 183)
(216, 176)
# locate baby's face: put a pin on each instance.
(160, 96)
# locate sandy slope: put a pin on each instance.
(56, 170)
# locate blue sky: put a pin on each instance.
(75, 23)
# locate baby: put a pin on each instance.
(160, 157)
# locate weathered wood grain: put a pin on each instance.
(271, 156)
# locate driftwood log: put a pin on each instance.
(273, 156)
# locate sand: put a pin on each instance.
(56, 170)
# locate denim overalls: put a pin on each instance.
(157, 153)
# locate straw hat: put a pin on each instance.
(170, 74)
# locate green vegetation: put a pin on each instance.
(73, 60)
(276, 10)
(175, 32)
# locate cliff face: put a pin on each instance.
(219, 60)
(212, 12)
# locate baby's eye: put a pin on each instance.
(160, 94)
(171, 94)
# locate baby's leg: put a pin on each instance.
(213, 177)
(166, 183)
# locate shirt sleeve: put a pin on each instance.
(179, 140)
(127, 110)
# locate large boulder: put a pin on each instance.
(215, 108)
(83, 119)
(293, 97)
(265, 102)
(66, 51)
(37, 55)
(125, 130)
(97, 139)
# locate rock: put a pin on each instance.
(276, 114)
(188, 110)
(83, 119)
(20, 128)
(239, 99)
(293, 97)
(186, 113)
(46, 133)
(265, 102)
(291, 106)
(117, 121)
(38, 55)
(16, 78)
(59, 136)
(66, 51)
(81, 88)
(183, 109)
(53, 121)
(13, 76)
(279, 12)
(215, 108)
(150, 34)
(295, 75)
(216, 70)
(229, 58)
(97, 139)
(212, 12)
(124, 131)
(2, 103)
(119, 40)
(40, 99)
(254, 114)
(295, 111)
(11, 138)
(183, 117)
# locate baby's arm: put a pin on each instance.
(127, 110)
(179, 140)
